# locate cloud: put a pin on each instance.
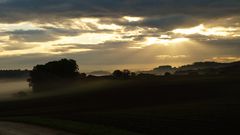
(43, 35)
(224, 59)
(22, 10)
(227, 43)
(171, 56)
(113, 32)
(16, 46)
(166, 22)
(31, 36)
(108, 45)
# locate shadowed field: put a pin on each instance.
(9, 87)
(163, 105)
(8, 128)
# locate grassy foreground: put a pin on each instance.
(169, 106)
(70, 126)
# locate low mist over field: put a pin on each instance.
(9, 87)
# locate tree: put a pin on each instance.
(126, 73)
(133, 74)
(44, 75)
(83, 76)
(117, 74)
(167, 74)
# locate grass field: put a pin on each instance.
(166, 105)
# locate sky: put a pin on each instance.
(118, 34)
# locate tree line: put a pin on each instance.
(63, 72)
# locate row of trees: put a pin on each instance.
(125, 74)
(14, 73)
(57, 73)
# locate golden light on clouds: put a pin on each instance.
(132, 19)
(19, 26)
(96, 22)
(224, 59)
(4, 38)
(202, 30)
(164, 41)
(42, 49)
(22, 52)
(75, 36)
(171, 56)
(87, 38)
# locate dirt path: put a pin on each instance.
(9, 128)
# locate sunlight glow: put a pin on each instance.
(171, 56)
(89, 20)
(202, 30)
(109, 27)
(132, 19)
(69, 51)
(43, 49)
(4, 38)
(155, 41)
(18, 26)
(87, 23)
(224, 59)
(88, 38)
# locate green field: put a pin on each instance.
(193, 105)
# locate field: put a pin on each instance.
(9, 87)
(171, 105)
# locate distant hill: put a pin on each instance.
(99, 73)
(205, 65)
(209, 68)
(161, 70)
(14, 74)
(197, 68)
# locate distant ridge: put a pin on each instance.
(197, 66)
(208, 64)
(14, 74)
(99, 73)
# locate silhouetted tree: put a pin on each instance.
(167, 74)
(117, 74)
(65, 69)
(83, 76)
(133, 74)
(126, 74)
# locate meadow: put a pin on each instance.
(151, 106)
(10, 86)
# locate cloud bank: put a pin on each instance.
(135, 34)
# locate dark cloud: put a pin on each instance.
(62, 31)
(108, 45)
(47, 34)
(166, 22)
(164, 15)
(31, 36)
(19, 10)
(228, 43)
